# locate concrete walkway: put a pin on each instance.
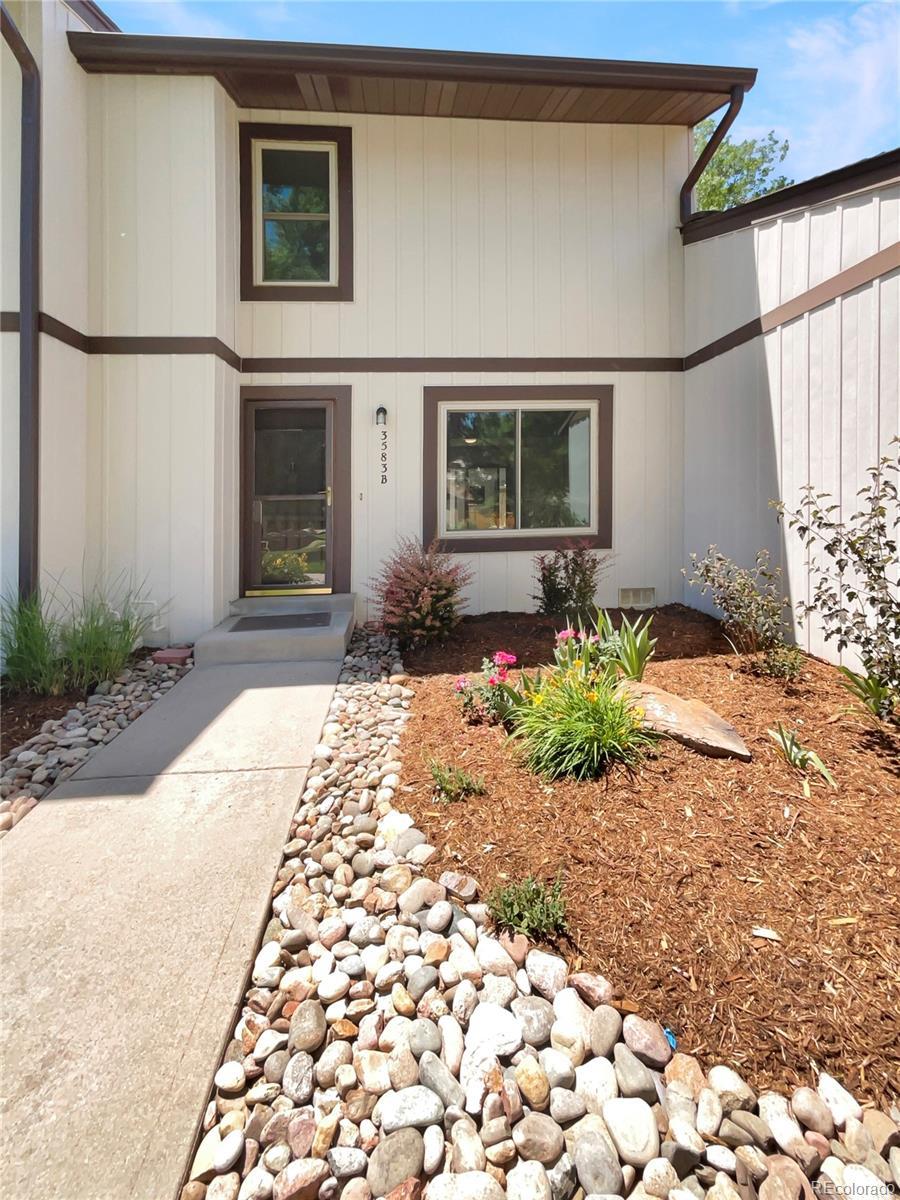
(132, 900)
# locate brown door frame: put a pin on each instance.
(338, 397)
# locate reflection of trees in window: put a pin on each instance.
(555, 455)
(296, 214)
(481, 470)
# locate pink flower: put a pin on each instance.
(503, 659)
(493, 680)
(565, 634)
(461, 684)
(502, 674)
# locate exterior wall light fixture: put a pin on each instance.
(381, 415)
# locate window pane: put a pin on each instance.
(481, 470)
(289, 451)
(297, 250)
(294, 543)
(556, 465)
(295, 181)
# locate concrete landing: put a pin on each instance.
(326, 641)
(132, 900)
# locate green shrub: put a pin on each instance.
(490, 698)
(529, 907)
(751, 600)
(568, 580)
(855, 569)
(97, 640)
(781, 662)
(30, 642)
(629, 647)
(285, 566)
(577, 726)
(455, 783)
(419, 593)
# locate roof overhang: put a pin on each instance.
(442, 83)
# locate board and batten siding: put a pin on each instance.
(647, 476)
(815, 400)
(495, 239)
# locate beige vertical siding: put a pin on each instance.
(497, 238)
(814, 401)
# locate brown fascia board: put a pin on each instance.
(143, 54)
(855, 177)
(92, 14)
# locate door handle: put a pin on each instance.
(328, 497)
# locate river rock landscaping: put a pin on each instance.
(390, 1042)
(63, 744)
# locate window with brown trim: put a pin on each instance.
(296, 212)
(517, 468)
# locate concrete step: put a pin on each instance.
(258, 637)
(246, 606)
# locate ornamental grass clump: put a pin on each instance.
(418, 593)
(577, 726)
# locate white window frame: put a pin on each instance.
(518, 407)
(329, 148)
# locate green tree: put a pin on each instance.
(738, 171)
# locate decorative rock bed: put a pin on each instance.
(29, 771)
(389, 1042)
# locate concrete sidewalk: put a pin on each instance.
(132, 900)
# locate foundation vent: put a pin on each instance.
(637, 597)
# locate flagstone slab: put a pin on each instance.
(690, 722)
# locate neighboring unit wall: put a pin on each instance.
(10, 141)
(814, 400)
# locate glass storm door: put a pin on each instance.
(290, 502)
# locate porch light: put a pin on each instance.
(381, 415)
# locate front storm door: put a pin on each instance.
(290, 490)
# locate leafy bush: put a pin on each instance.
(418, 593)
(630, 647)
(855, 569)
(529, 907)
(752, 601)
(88, 642)
(455, 783)
(29, 638)
(285, 566)
(570, 724)
(490, 698)
(568, 580)
(798, 756)
(780, 662)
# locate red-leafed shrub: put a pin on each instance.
(418, 592)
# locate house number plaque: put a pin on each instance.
(383, 458)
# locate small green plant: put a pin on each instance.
(568, 580)
(418, 593)
(30, 642)
(798, 757)
(877, 697)
(576, 726)
(751, 600)
(634, 647)
(285, 566)
(454, 783)
(490, 698)
(529, 907)
(781, 662)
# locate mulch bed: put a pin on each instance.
(668, 871)
(23, 714)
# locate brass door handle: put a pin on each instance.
(328, 496)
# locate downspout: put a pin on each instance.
(685, 204)
(29, 304)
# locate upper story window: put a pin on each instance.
(296, 213)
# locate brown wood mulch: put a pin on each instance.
(667, 872)
(22, 714)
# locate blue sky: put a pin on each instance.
(828, 72)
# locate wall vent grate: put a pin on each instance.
(641, 597)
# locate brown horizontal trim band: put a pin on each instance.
(164, 345)
(392, 365)
(63, 333)
(180, 55)
(857, 276)
(9, 322)
(868, 172)
(483, 545)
